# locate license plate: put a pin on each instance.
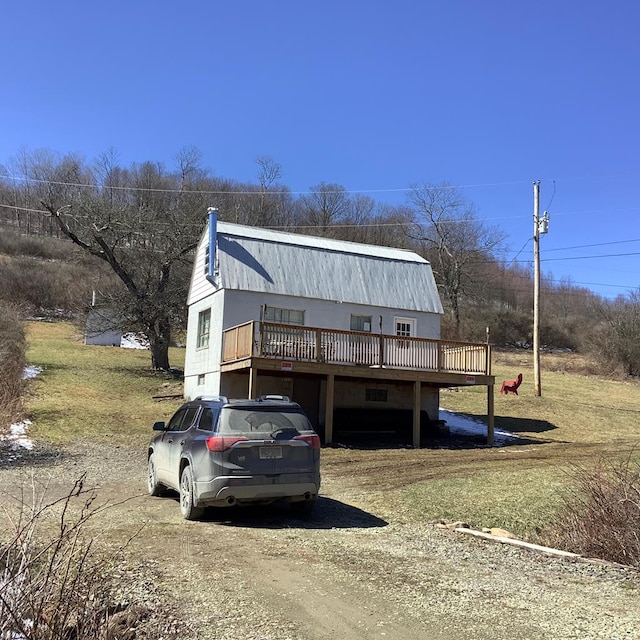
(270, 453)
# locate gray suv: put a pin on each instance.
(217, 452)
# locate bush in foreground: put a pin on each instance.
(55, 586)
(12, 362)
(601, 514)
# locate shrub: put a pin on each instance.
(12, 362)
(601, 514)
(17, 244)
(55, 586)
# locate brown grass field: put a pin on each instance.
(106, 395)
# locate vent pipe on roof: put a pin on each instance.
(213, 232)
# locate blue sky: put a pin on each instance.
(375, 96)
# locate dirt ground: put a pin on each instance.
(360, 568)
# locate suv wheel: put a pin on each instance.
(187, 498)
(154, 487)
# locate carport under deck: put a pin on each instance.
(278, 349)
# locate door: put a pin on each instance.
(177, 437)
(401, 351)
(163, 445)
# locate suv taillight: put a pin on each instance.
(222, 443)
(313, 441)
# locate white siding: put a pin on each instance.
(200, 287)
(204, 361)
(243, 306)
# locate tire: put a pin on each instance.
(187, 507)
(153, 486)
(304, 508)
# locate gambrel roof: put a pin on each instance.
(262, 260)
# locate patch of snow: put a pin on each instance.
(134, 341)
(31, 372)
(463, 425)
(17, 438)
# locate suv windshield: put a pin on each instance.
(267, 420)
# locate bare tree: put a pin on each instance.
(451, 236)
(323, 207)
(143, 221)
(617, 338)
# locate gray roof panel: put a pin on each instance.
(252, 259)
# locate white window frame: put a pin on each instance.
(281, 315)
(204, 329)
(361, 319)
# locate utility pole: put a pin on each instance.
(536, 288)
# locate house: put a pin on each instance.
(344, 329)
(102, 328)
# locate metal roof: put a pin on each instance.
(255, 259)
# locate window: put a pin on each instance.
(201, 378)
(284, 316)
(182, 420)
(208, 418)
(210, 271)
(204, 325)
(360, 323)
(376, 395)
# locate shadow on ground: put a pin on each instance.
(327, 514)
(521, 425)
(453, 441)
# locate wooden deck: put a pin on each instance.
(284, 342)
(258, 348)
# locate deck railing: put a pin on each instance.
(313, 344)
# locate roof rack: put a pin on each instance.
(212, 398)
(273, 396)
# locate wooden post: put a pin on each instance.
(253, 378)
(328, 414)
(537, 389)
(490, 410)
(416, 414)
(319, 354)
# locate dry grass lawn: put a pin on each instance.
(107, 395)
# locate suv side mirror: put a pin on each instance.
(159, 426)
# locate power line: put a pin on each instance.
(257, 190)
(609, 255)
(375, 225)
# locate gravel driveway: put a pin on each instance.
(359, 569)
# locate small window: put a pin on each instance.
(284, 316)
(376, 395)
(204, 326)
(176, 420)
(182, 420)
(210, 270)
(208, 419)
(201, 378)
(360, 323)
